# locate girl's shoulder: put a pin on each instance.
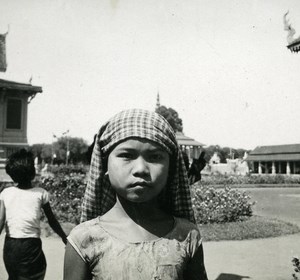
(38, 189)
(89, 240)
(185, 229)
(15, 188)
(188, 234)
(35, 193)
(9, 190)
(87, 230)
(184, 224)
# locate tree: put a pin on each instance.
(171, 116)
(42, 151)
(223, 152)
(37, 150)
(77, 150)
(76, 146)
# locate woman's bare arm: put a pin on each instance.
(54, 224)
(195, 269)
(2, 215)
(74, 266)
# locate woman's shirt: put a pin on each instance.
(23, 211)
(112, 258)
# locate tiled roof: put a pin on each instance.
(295, 46)
(186, 141)
(275, 153)
(5, 84)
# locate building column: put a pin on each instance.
(273, 168)
(279, 167)
(294, 167)
(266, 165)
(259, 168)
(288, 169)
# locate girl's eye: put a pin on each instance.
(126, 155)
(156, 157)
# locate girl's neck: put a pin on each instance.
(136, 222)
(140, 211)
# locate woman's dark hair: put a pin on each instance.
(20, 167)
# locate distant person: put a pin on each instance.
(194, 172)
(20, 213)
(186, 160)
(139, 221)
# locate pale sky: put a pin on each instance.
(222, 65)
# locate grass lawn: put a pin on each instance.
(254, 227)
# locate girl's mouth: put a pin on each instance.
(141, 184)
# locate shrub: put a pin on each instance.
(213, 205)
(66, 189)
(296, 265)
(68, 169)
(220, 179)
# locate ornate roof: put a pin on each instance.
(186, 141)
(295, 46)
(28, 88)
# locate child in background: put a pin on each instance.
(139, 222)
(20, 212)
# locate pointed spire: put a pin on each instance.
(157, 101)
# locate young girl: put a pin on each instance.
(137, 208)
(20, 212)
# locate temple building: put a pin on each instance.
(279, 159)
(294, 47)
(14, 100)
(190, 146)
(293, 43)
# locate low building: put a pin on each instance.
(14, 100)
(277, 159)
(190, 146)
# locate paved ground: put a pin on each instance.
(3, 176)
(260, 259)
(263, 259)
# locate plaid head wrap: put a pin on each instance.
(100, 197)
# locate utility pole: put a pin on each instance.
(68, 151)
(53, 155)
(68, 145)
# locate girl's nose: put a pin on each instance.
(140, 167)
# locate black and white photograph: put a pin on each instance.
(149, 140)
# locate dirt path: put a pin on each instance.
(261, 259)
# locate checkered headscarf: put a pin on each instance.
(99, 197)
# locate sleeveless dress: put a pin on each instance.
(110, 258)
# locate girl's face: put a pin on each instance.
(138, 169)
